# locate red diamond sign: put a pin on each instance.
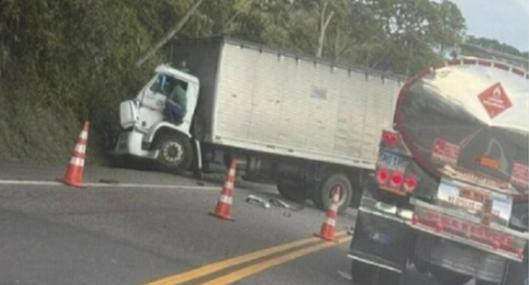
(495, 100)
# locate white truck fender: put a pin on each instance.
(178, 129)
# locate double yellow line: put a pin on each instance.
(285, 252)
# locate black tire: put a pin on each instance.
(292, 191)
(175, 153)
(323, 194)
(447, 277)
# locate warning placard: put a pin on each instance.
(520, 175)
(445, 151)
(495, 100)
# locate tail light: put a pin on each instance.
(410, 183)
(382, 175)
(396, 179)
(390, 138)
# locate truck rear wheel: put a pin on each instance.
(292, 191)
(323, 196)
(175, 153)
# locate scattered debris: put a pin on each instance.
(279, 203)
(256, 200)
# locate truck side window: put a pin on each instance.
(165, 84)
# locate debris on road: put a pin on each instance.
(279, 203)
(256, 200)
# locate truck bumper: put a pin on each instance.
(130, 143)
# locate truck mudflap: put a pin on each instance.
(494, 239)
(381, 237)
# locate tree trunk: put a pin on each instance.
(169, 34)
(324, 23)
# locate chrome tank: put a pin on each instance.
(472, 114)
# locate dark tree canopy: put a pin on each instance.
(80, 55)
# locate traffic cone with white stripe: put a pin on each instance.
(75, 169)
(328, 228)
(223, 209)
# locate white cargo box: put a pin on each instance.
(265, 101)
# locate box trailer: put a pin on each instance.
(307, 125)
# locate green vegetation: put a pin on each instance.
(62, 62)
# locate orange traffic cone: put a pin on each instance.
(328, 228)
(74, 171)
(223, 209)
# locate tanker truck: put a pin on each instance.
(448, 196)
(301, 123)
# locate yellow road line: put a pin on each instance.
(214, 267)
(259, 267)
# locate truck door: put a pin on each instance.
(154, 96)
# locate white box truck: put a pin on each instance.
(306, 125)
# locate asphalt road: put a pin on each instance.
(156, 226)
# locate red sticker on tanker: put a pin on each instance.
(445, 151)
(495, 100)
(520, 175)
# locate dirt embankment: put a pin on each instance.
(37, 133)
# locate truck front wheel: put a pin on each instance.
(175, 153)
(323, 196)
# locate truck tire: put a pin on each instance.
(175, 153)
(447, 277)
(323, 195)
(292, 191)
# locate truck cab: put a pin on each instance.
(146, 131)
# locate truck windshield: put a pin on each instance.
(165, 84)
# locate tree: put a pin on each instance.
(170, 34)
(447, 26)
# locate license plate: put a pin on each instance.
(392, 161)
(473, 200)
